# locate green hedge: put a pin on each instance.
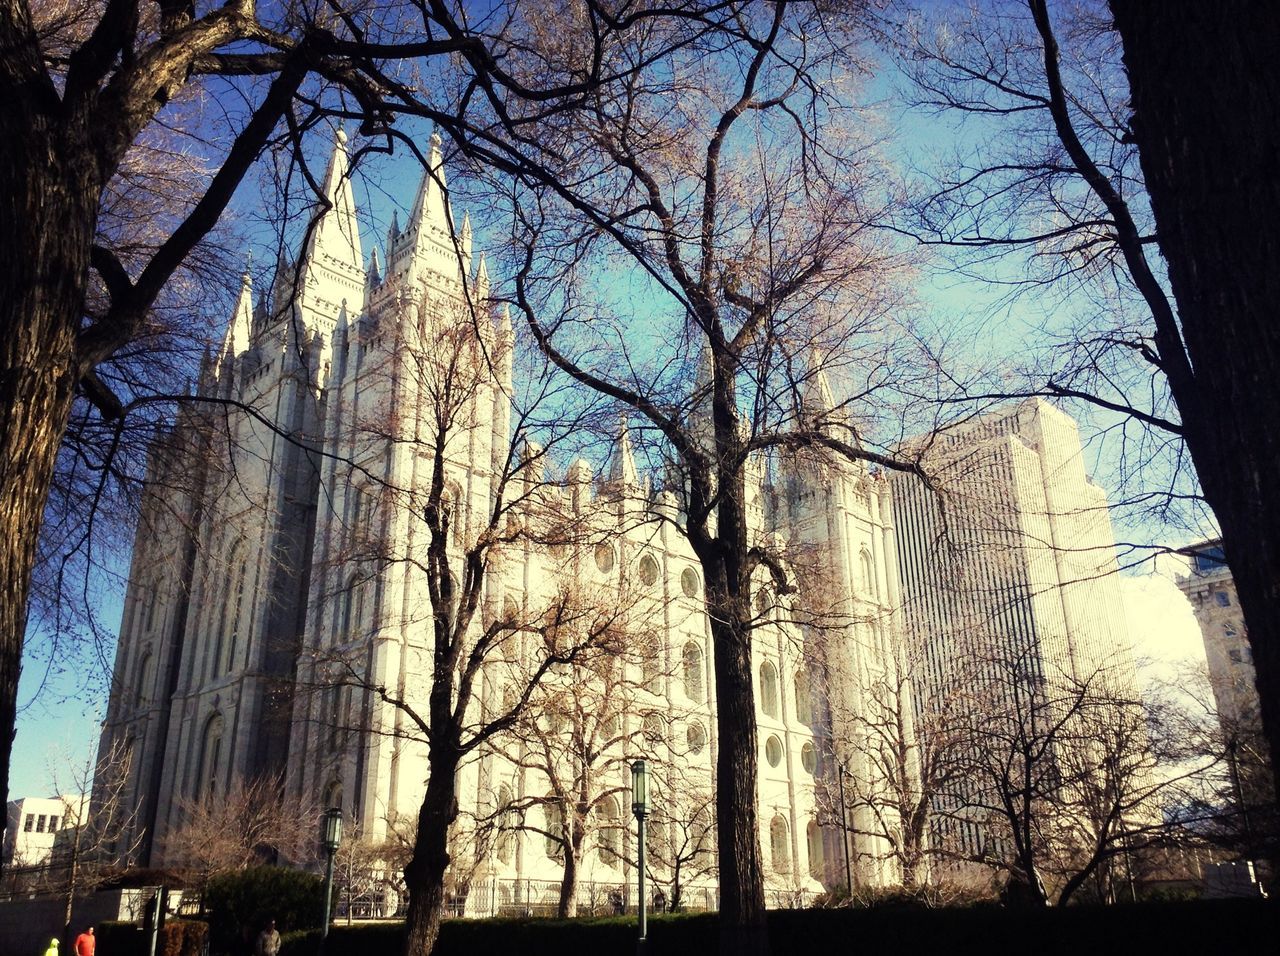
(178, 937)
(1150, 929)
(240, 904)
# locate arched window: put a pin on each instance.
(868, 575)
(696, 737)
(153, 598)
(780, 844)
(769, 689)
(813, 837)
(804, 701)
(206, 779)
(238, 602)
(808, 757)
(146, 674)
(692, 660)
(234, 559)
(506, 843)
(348, 596)
(648, 570)
(553, 824)
(609, 835)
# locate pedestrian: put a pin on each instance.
(85, 943)
(659, 902)
(268, 941)
(53, 948)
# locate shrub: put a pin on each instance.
(181, 937)
(240, 904)
(178, 937)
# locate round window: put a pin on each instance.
(773, 751)
(604, 557)
(809, 758)
(689, 582)
(648, 570)
(696, 737)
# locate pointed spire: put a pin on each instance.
(393, 230)
(429, 204)
(464, 243)
(283, 286)
(239, 330)
(207, 378)
(622, 464)
(337, 234)
(375, 268)
(482, 278)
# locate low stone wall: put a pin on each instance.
(26, 926)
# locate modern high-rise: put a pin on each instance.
(1009, 574)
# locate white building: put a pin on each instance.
(33, 824)
(1008, 567)
(266, 570)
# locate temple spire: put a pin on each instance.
(337, 234)
(622, 463)
(239, 332)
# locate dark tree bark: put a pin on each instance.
(425, 873)
(1206, 118)
(48, 212)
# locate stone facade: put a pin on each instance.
(276, 590)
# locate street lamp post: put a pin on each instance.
(330, 839)
(640, 807)
(844, 835)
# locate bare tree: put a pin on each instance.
(481, 642)
(248, 825)
(1101, 176)
(94, 88)
(738, 188)
(99, 828)
(577, 736)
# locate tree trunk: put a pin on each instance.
(568, 906)
(48, 214)
(1206, 118)
(743, 929)
(424, 874)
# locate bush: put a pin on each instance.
(240, 904)
(1131, 930)
(178, 937)
(120, 938)
(183, 937)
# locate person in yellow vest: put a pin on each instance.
(53, 948)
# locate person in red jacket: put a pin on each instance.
(85, 943)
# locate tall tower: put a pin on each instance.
(412, 386)
(214, 611)
(1008, 569)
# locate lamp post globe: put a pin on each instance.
(330, 839)
(639, 789)
(331, 835)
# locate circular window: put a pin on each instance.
(689, 582)
(773, 751)
(809, 758)
(648, 570)
(604, 557)
(696, 737)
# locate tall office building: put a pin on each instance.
(1009, 576)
